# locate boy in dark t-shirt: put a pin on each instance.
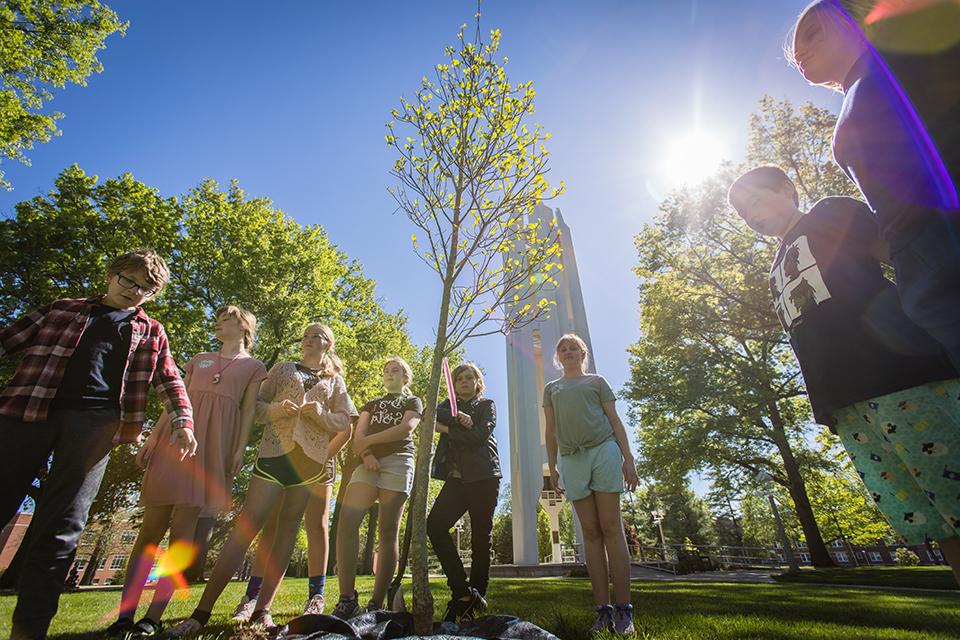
(881, 383)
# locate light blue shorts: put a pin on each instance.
(396, 473)
(598, 468)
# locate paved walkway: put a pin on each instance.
(747, 575)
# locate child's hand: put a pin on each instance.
(311, 409)
(630, 477)
(285, 409)
(465, 421)
(371, 463)
(555, 480)
(145, 453)
(237, 463)
(184, 440)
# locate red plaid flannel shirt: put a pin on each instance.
(50, 335)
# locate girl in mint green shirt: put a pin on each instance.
(595, 466)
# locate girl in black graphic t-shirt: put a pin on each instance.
(384, 442)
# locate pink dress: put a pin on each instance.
(202, 481)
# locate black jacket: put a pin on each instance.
(473, 450)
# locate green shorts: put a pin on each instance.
(598, 468)
(906, 447)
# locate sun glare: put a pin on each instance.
(691, 158)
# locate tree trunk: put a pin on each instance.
(819, 556)
(99, 548)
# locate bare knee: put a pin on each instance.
(611, 528)
(592, 532)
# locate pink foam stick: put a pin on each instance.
(449, 378)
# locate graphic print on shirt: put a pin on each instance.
(390, 411)
(796, 283)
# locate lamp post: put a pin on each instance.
(766, 480)
(658, 516)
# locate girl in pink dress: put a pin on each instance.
(223, 389)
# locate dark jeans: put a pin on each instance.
(456, 498)
(928, 280)
(80, 442)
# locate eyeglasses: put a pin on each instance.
(127, 283)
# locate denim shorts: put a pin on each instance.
(396, 473)
(598, 468)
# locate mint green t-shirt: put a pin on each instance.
(577, 405)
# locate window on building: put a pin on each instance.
(96, 581)
(837, 544)
(805, 557)
(842, 556)
(128, 537)
(101, 564)
(875, 556)
(81, 563)
(118, 562)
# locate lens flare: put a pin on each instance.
(177, 558)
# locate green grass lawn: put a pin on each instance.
(667, 610)
(914, 577)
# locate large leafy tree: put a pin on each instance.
(44, 45)
(222, 247)
(469, 171)
(714, 383)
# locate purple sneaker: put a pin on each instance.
(623, 620)
(604, 619)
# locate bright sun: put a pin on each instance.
(691, 158)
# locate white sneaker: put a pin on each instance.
(315, 605)
(188, 627)
(245, 609)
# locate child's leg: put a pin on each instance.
(450, 505)
(261, 558)
(24, 457)
(183, 526)
(615, 543)
(359, 498)
(155, 523)
(317, 522)
(80, 458)
(482, 498)
(261, 497)
(288, 524)
(593, 548)
(391, 508)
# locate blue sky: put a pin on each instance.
(291, 99)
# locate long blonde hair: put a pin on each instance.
(848, 15)
(331, 364)
(407, 372)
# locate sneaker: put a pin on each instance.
(372, 606)
(623, 619)
(347, 607)
(120, 629)
(604, 621)
(459, 609)
(245, 609)
(188, 627)
(145, 628)
(263, 620)
(315, 605)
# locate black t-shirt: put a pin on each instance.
(308, 377)
(844, 318)
(387, 411)
(94, 372)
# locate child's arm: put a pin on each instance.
(268, 410)
(395, 433)
(337, 443)
(173, 393)
(248, 408)
(337, 417)
(444, 417)
(550, 435)
(366, 457)
(17, 335)
(620, 433)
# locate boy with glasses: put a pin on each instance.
(80, 388)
